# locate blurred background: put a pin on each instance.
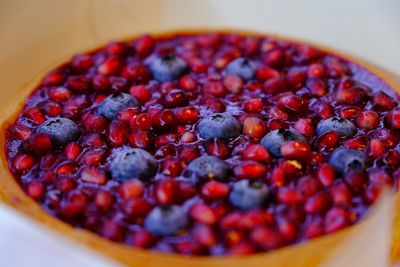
(36, 34)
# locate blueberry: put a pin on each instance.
(242, 67)
(247, 194)
(344, 160)
(60, 130)
(167, 68)
(273, 140)
(166, 220)
(112, 104)
(221, 125)
(207, 168)
(341, 126)
(129, 163)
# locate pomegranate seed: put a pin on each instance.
(72, 150)
(336, 67)
(126, 115)
(46, 162)
(66, 169)
(171, 167)
(59, 94)
(254, 105)
(350, 96)
(278, 177)
(256, 152)
(216, 89)
(233, 83)
(104, 200)
(289, 196)
(317, 86)
(35, 115)
(203, 214)
(393, 119)
(244, 248)
(141, 93)
(275, 58)
(296, 150)
(355, 179)
(23, 163)
(218, 147)
(136, 208)
(131, 189)
(304, 127)
(387, 137)
(21, 131)
(144, 45)
(137, 73)
(117, 48)
(360, 143)
(100, 82)
(274, 85)
(372, 193)
(188, 137)
(189, 153)
(94, 122)
(111, 230)
(37, 143)
(250, 170)
(214, 190)
(205, 235)
(392, 158)
(162, 118)
(314, 229)
(292, 104)
(81, 63)
(110, 66)
(288, 230)
(367, 120)
(118, 133)
(255, 218)
(383, 102)
(317, 203)
(54, 77)
(336, 219)
(186, 191)
(167, 191)
(376, 148)
(341, 194)
(93, 175)
(349, 112)
(187, 83)
(187, 115)
(308, 186)
(326, 174)
(328, 141)
(266, 238)
(65, 184)
(93, 139)
(78, 83)
(141, 122)
(143, 239)
(141, 139)
(93, 156)
(35, 190)
(254, 127)
(316, 70)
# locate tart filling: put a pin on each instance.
(207, 143)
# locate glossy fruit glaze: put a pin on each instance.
(256, 193)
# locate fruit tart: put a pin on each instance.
(206, 143)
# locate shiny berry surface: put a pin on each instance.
(207, 144)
